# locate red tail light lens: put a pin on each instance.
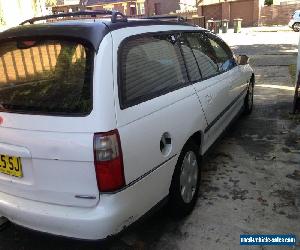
(108, 161)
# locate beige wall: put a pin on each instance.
(16, 11)
(207, 2)
(187, 5)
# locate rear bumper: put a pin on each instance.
(113, 213)
(81, 223)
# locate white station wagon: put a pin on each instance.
(103, 119)
(294, 22)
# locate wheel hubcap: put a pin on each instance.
(296, 26)
(188, 177)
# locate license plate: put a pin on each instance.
(11, 165)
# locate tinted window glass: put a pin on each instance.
(150, 66)
(203, 53)
(50, 77)
(190, 60)
(223, 53)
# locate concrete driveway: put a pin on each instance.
(251, 178)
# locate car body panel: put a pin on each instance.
(149, 120)
(114, 213)
(295, 18)
(59, 193)
(59, 149)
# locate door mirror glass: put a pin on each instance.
(242, 60)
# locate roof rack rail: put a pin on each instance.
(166, 17)
(114, 16)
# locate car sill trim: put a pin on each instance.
(224, 111)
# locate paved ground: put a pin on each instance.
(251, 178)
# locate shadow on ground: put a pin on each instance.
(266, 49)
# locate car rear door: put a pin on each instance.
(229, 68)
(213, 90)
(158, 104)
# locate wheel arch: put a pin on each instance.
(182, 210)
(197, 138)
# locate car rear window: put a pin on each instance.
(46, 76)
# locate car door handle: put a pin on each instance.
(208, 98)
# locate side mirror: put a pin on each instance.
(242, 60)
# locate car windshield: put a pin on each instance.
(45, 76)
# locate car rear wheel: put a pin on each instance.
(296, 27)
(4, 223)
(185, 183)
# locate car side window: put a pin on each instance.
(190, 60)
(222, 52)
(150, 66)
(203, 53)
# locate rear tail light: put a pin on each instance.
(108, 161)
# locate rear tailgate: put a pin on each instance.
(57, 167)
(47, 121)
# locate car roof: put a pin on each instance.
(93, 33)
(90, 30)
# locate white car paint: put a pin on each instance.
(110, 216)
(295, 18)
(57, 152)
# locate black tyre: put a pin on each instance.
(4, 224)
(185, 182)
(296, 27)
(248, 104)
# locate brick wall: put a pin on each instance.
(212, 11)
(252, 12)
(243, 10)
(257, 5)
(277, 14)
(226, 10)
